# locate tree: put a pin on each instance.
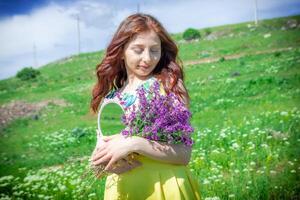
(191, 34)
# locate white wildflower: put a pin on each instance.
(267, 35)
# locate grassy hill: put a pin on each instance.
(244, 86)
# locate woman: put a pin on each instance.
(142, 52)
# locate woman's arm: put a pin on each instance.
(169, 153)
(117, 147)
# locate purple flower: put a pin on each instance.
(159, 117)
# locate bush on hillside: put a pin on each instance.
(28, 73)
(79, 132)
(241, 63)
(277, 54)
(191, 34)
(222, 59)
(207, 31)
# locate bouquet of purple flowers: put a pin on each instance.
(158, 117)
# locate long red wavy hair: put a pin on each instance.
(111, 72)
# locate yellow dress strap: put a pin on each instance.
(161, 89)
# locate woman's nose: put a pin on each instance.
(147, 56)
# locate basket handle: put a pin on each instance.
(103, 103)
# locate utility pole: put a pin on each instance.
(78, 34)
(255, 13)
(34, 56)
(138, 8)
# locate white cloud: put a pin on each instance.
(53, 28)
(200, 14)
(45, 27)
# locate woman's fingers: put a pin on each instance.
(101, 147)
(110, 137)
(102, 160)
(106, 138)
(98, 155)
(98, 149)
(110, 163)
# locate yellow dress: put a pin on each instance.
(153, 180)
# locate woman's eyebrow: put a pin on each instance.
(141, 45)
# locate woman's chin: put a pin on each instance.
(143, 73)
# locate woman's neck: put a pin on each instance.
(133, 82)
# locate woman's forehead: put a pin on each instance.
(149, 37)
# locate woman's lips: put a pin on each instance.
(144, 66)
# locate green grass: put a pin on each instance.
(245, 114)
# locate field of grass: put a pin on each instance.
(246, 115)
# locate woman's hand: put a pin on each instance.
(114, 151)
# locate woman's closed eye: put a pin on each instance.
(154, 50)
(139, 50)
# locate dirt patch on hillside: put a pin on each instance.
(18, 109)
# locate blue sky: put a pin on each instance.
(9, 8)
(51, 25)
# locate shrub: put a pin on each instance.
(222, 59)
(242, 63)
(79, 132)
(277, 54)
(191, 34)
(28, 73)
(207, 31)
